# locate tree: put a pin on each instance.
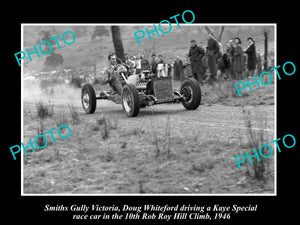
(266, 50)
(221, 32)
(53, 62)
(45, 35)
(117, 40)
(220, 35)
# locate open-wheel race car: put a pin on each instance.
(144, 89)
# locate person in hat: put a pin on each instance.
(224, 64)
(153, 65)
(251, 52)
(138, 63)
(238, 65)
(213, 49)
(195, 55)
(204, 58)
(230, 50)
(128, 64)
(178, 69)
(160, 67)
(144, 63)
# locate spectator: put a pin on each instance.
(138, 63)
(178, 69)
(187, 67)
(128, 64)
(224, 65)
(251, 52)
(238, 59)
(212, 53)
(144, 63)
(195, 55)
(153, 66)
(160, 59)
(230, 50)
(161, 67)
(203, 59)
(132, 61)
(126, 56)
(133, 64)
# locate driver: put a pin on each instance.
(112, 74)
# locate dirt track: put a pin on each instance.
(206, 121)
(192, 153)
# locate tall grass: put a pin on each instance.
(43, 111)
(256, 138)
(105, 125)
(40, 130)
(102, 122)
(226, 89)
(73, 112)
(162, 146)
(60, 116)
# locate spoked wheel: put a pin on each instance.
(191, 92)
(88, 98)
(130, 100)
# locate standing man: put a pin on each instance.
(128, 64)
(138, 63)
(230, 50)
(212, 52)
(144, 63)
(195, 55)
(251, 52)
(204, 59)
(160, 67)
(238, 59)
(154, 64)
(178, 73)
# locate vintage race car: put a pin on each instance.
(144, 89)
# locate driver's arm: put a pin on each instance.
(107, 77)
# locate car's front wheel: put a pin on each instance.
(191, 92)
(88, 98)
(130, 100)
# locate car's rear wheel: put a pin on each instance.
(130, 100)
(191, 92)
(88, 98)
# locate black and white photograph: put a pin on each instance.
(144, 109)
(123, 114)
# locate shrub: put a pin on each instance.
(40, 130)
(256, 138)
(60, 117)
(73, 112)
(43, 111)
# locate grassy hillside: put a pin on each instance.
(166, 149)
(176, 43)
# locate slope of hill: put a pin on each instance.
(176, 43)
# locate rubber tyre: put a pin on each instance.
(130, 100)
(192, 86)
(89, 104)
